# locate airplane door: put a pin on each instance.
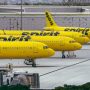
(61, 43)
(35, 49)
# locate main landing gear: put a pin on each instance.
(69, 55)
(30, 62)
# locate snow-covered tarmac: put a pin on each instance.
(56, 71)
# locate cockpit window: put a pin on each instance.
(82, 35)
(72, 41)
(45, 47)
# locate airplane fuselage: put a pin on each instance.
(85, 31)
(58, 43)
(75, 35)
(24, 50)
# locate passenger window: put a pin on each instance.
(45, 47)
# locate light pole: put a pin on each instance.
(21, 15)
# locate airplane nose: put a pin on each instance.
(88, 35)
(84, 40)
(78, 46)
(51, 52)
(87, 40)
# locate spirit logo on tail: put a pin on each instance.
(49, 18)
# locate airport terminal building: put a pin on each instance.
(64, 16)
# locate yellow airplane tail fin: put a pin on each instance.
(49, 19)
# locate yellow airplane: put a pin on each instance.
(57, 43)
(51, 25)
(25, 50)
(75, 35)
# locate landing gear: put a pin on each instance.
(71, 54)
(30, 62)
(63, 55)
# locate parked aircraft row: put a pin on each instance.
(32, 44)
(57, 43)
(78, 37)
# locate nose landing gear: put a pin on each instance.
(30, 62)
(63, 55)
